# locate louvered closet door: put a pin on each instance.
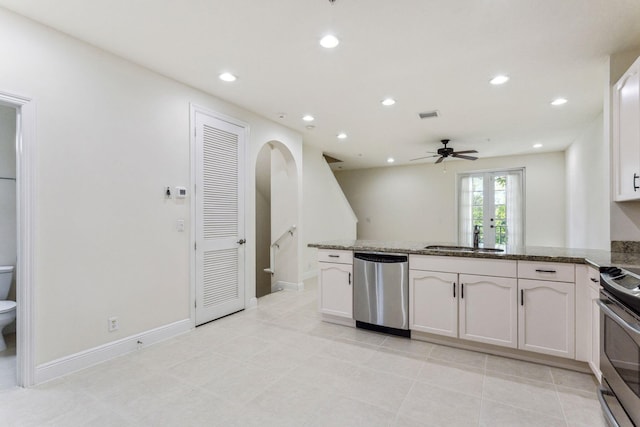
(219, 218)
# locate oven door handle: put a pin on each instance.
(631, 328)
(605, 407)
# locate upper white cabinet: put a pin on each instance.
(625, 112)
(335, 283)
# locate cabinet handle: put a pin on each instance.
(635, 177)
(545, 271)
(349, 278)
(454, 289)
(334, 256)
(521, 296)
(462, 290)
(594, 280)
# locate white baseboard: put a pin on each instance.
(289, 286)
(309, 274)
(338, 320)
(93, 356)
(253, 303)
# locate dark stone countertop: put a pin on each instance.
(595, 257)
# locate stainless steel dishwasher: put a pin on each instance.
(381, 292)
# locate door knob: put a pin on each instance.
(242, 241)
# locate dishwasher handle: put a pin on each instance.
(381, 257)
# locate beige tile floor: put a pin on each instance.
(279, 365)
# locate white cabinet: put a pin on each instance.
(546, 322)
(625, 111)
(588, 317)
(335, 283)
(594, 362)
(433, 302)
(488, 310)
(470, 306)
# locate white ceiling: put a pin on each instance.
(427, 54)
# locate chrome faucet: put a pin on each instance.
(476, 237)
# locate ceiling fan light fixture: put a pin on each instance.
(499, 80)
(329, 41)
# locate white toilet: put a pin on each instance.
(7, 308)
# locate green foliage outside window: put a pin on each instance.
(500, 214)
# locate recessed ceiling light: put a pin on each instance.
(341, 135)
(499, 80)
(537, 145)
(329, 41)
(559, 101)
(391, 160)
(308, 118)
(227, 77)
(388, 102)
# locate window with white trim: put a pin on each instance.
(492, 201)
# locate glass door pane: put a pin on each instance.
(477, 205)
(500, 209)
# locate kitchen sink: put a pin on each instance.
(462, 249)
(450, 248)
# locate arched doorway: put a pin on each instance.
(276, 219)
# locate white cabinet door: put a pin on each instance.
(594, 362)
(626, 135)
(336, 290)
(433, 302)
(546, 317)
(488, 310)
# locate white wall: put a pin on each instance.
(110, 136)
(263, 220)
(284, 215)
(418, 202)
(327, 213)
(8, 190)
(624, 216)
(587, 165)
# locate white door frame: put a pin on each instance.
(250, 246)
(26, 208)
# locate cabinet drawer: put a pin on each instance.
(466, 265)
(338, 257)
(554, 271)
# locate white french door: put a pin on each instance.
(219, 217)
(493, 202)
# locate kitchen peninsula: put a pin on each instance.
(532, 303)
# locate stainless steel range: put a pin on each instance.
(620, 346)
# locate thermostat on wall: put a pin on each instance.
(181, 192)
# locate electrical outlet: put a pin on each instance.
(114, 325)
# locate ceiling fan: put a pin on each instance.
(445, 152)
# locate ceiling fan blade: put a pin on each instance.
(426, 157)
(464, 157)
(466, 151)
(439, 160)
